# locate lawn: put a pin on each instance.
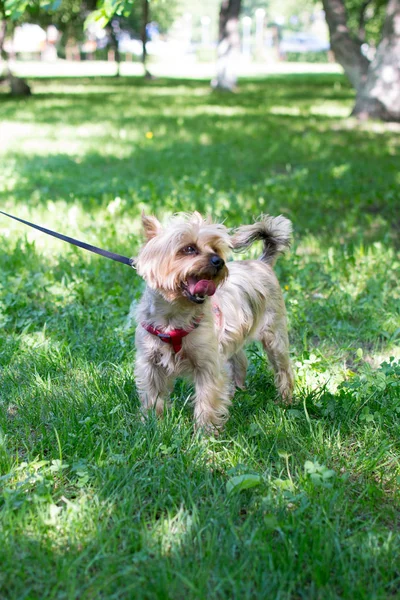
(95, 503)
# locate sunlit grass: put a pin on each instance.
(96, 503)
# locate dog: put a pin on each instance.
(198, 311)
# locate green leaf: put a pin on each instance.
(243, 482)
(107, 9)
(57, 465)
(14, 9)
(319, 474)
(309, 466)
(328, 473)
(284, 484)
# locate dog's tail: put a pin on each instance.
(275, 232)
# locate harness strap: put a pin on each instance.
(173, 337)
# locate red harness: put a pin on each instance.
(174, 336)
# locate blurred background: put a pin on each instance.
(174, 38)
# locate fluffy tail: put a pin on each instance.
(275, 232)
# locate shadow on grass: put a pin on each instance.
(325, 190)
(91, 99)
(227, 152)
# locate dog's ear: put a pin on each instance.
(196, 216)
(151, 226)
(198, 219)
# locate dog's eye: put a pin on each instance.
(189, 250)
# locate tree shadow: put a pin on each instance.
(323, 187)
(301, 164)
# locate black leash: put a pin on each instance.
(111, 255)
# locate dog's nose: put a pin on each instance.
(217, 261)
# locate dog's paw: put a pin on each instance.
(284, 382)
(158, 409)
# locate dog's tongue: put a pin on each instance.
(204, 287)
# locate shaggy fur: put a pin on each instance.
(247, 305)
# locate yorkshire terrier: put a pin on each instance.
(198, 311)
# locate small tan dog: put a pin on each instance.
(198, 312)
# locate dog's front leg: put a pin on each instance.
(212, 397)
(154, 385)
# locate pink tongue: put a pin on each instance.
(204, 287)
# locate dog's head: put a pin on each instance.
(184, 259)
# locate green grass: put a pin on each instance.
(96, 504)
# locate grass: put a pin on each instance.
(290, 503)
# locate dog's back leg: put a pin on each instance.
(238, 369)
(212, 398)
(274, 338)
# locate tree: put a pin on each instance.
(228, 45)
(10, 12)
(377, 82)
(3, 30)
(67, 15)
(145, 22)
(365, 19)
(134, 16)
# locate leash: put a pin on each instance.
(65, 238)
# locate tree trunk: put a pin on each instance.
(18, 86)
(346, 48)
(115, 46)
(378, 83)
(380, 96)
(228, 45)
(3, 31)
(145, 22)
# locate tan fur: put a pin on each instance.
(250, 307)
